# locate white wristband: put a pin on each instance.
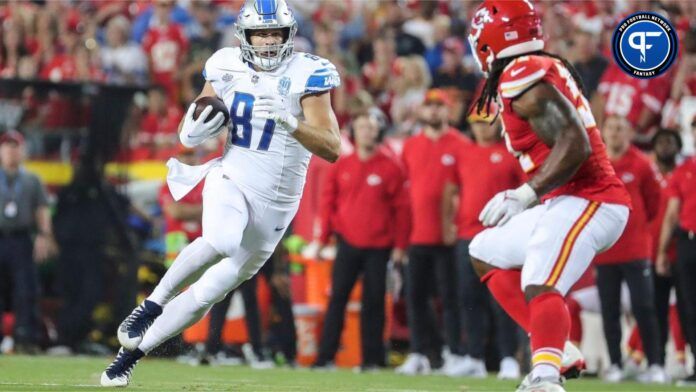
(292, 124)
(526, 194)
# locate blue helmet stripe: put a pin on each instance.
(267, 9)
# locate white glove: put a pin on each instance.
(273, 108)
(194, 132)
(507, 204)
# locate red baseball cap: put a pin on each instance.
(436, 95)
(11, 136)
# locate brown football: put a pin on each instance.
(216, 103)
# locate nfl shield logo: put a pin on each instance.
(284, 86)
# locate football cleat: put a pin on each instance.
(573, 362)
(509, 369)
(132, 329)
(613, 375)
(118, 374)
(415, 364)
(655, 374)
(540, 384)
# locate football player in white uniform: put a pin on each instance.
(280, 110)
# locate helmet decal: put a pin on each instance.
(504, 28)
(266, 8)
(482, 16)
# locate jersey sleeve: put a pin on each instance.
(655, 96)
(522, 74)
(212, 72)
(651, 189)
(673, 189)
(321, 74)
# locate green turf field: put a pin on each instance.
(21, 373)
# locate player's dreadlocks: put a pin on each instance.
(490, 89)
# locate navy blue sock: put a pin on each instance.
(152, 307)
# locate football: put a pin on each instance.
(218, 107)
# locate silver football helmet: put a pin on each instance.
(262, 15)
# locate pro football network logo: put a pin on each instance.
(645, 45)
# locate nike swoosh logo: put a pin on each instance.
(279, 228)
(516, 72)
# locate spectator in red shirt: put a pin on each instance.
(666, 146)
(166, 47)
(365, 204)
(483, 169)
(61, 66)
(628, 259)
(681, 217)
(430, 161)
(638, 100)
(159, 126)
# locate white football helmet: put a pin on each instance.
(262, 15)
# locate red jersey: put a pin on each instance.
(429, 165)
(596, 179)
(192, 228)
(59, 68)
(627, 96)
(167, 123)
(643, 182)
(656, 224)
(366, 202)
(482, 171)
(166, 47)
(307, 222)
(682, 185)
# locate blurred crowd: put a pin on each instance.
(388, 53)
(397, 59)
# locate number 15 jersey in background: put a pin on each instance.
(261, 157)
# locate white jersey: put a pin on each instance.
(259, 156)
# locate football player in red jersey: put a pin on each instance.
(530, 257)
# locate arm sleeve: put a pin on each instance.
(328, 204)
(673, 185)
